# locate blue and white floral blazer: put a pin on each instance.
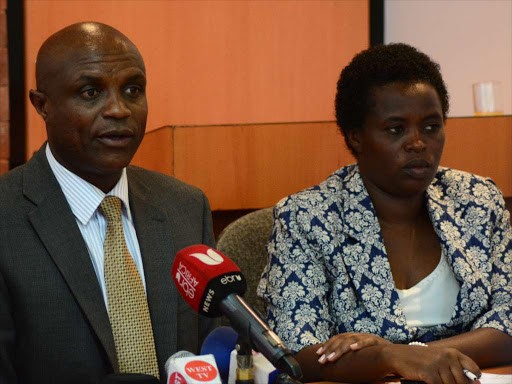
(328, 271)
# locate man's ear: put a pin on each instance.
(40, 102)
(354, 139)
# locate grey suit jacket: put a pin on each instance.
(54, 326)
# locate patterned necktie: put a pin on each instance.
(127, 304)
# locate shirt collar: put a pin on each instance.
(83, 197)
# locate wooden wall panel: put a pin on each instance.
(253, 166)
(481, 145)
(156, 151)
(221, 61)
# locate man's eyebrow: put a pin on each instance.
(136, 77)
(90, 78)
(85, 78)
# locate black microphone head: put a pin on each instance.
(129, 378)
(218, 289)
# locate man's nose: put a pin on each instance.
(116, 107)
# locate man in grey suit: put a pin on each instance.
(54, 321)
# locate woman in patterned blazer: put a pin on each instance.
(393, 265)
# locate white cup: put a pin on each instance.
(488, 98)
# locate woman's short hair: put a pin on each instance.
(377, 66)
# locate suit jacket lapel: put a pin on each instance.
(154, 234)
(56, 226)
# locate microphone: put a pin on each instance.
(212, 284)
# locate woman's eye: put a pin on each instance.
(431, 127)
(395, 130)
(90, 93)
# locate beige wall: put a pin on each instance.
(470, 39)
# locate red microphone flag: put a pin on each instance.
(204, 277)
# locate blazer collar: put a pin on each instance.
(442, 213)
(356, 196)
(361, 220)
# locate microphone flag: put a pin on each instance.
(193, 370)
(204, 277)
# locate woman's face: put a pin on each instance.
(401, 142)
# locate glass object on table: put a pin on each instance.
(488, 98)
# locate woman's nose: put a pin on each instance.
(415, 143)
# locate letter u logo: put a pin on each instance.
(210, 258)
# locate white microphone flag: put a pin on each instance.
(192, 370)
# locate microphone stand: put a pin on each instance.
(244, 362)
(245, 366)
(249, 323)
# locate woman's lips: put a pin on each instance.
(418, 168)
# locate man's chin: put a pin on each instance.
(114, 160)
(108, 167)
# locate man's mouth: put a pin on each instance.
(116, 138)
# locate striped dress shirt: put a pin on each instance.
(84, 200)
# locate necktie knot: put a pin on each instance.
(111, 208)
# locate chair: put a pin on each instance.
(244, 242)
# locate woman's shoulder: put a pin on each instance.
(454, 183)
(322, 196)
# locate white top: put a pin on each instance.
(431, 301)
(84, 200)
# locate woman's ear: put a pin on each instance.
(354, 139)
(40, 102)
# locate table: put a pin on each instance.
(502, 370)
